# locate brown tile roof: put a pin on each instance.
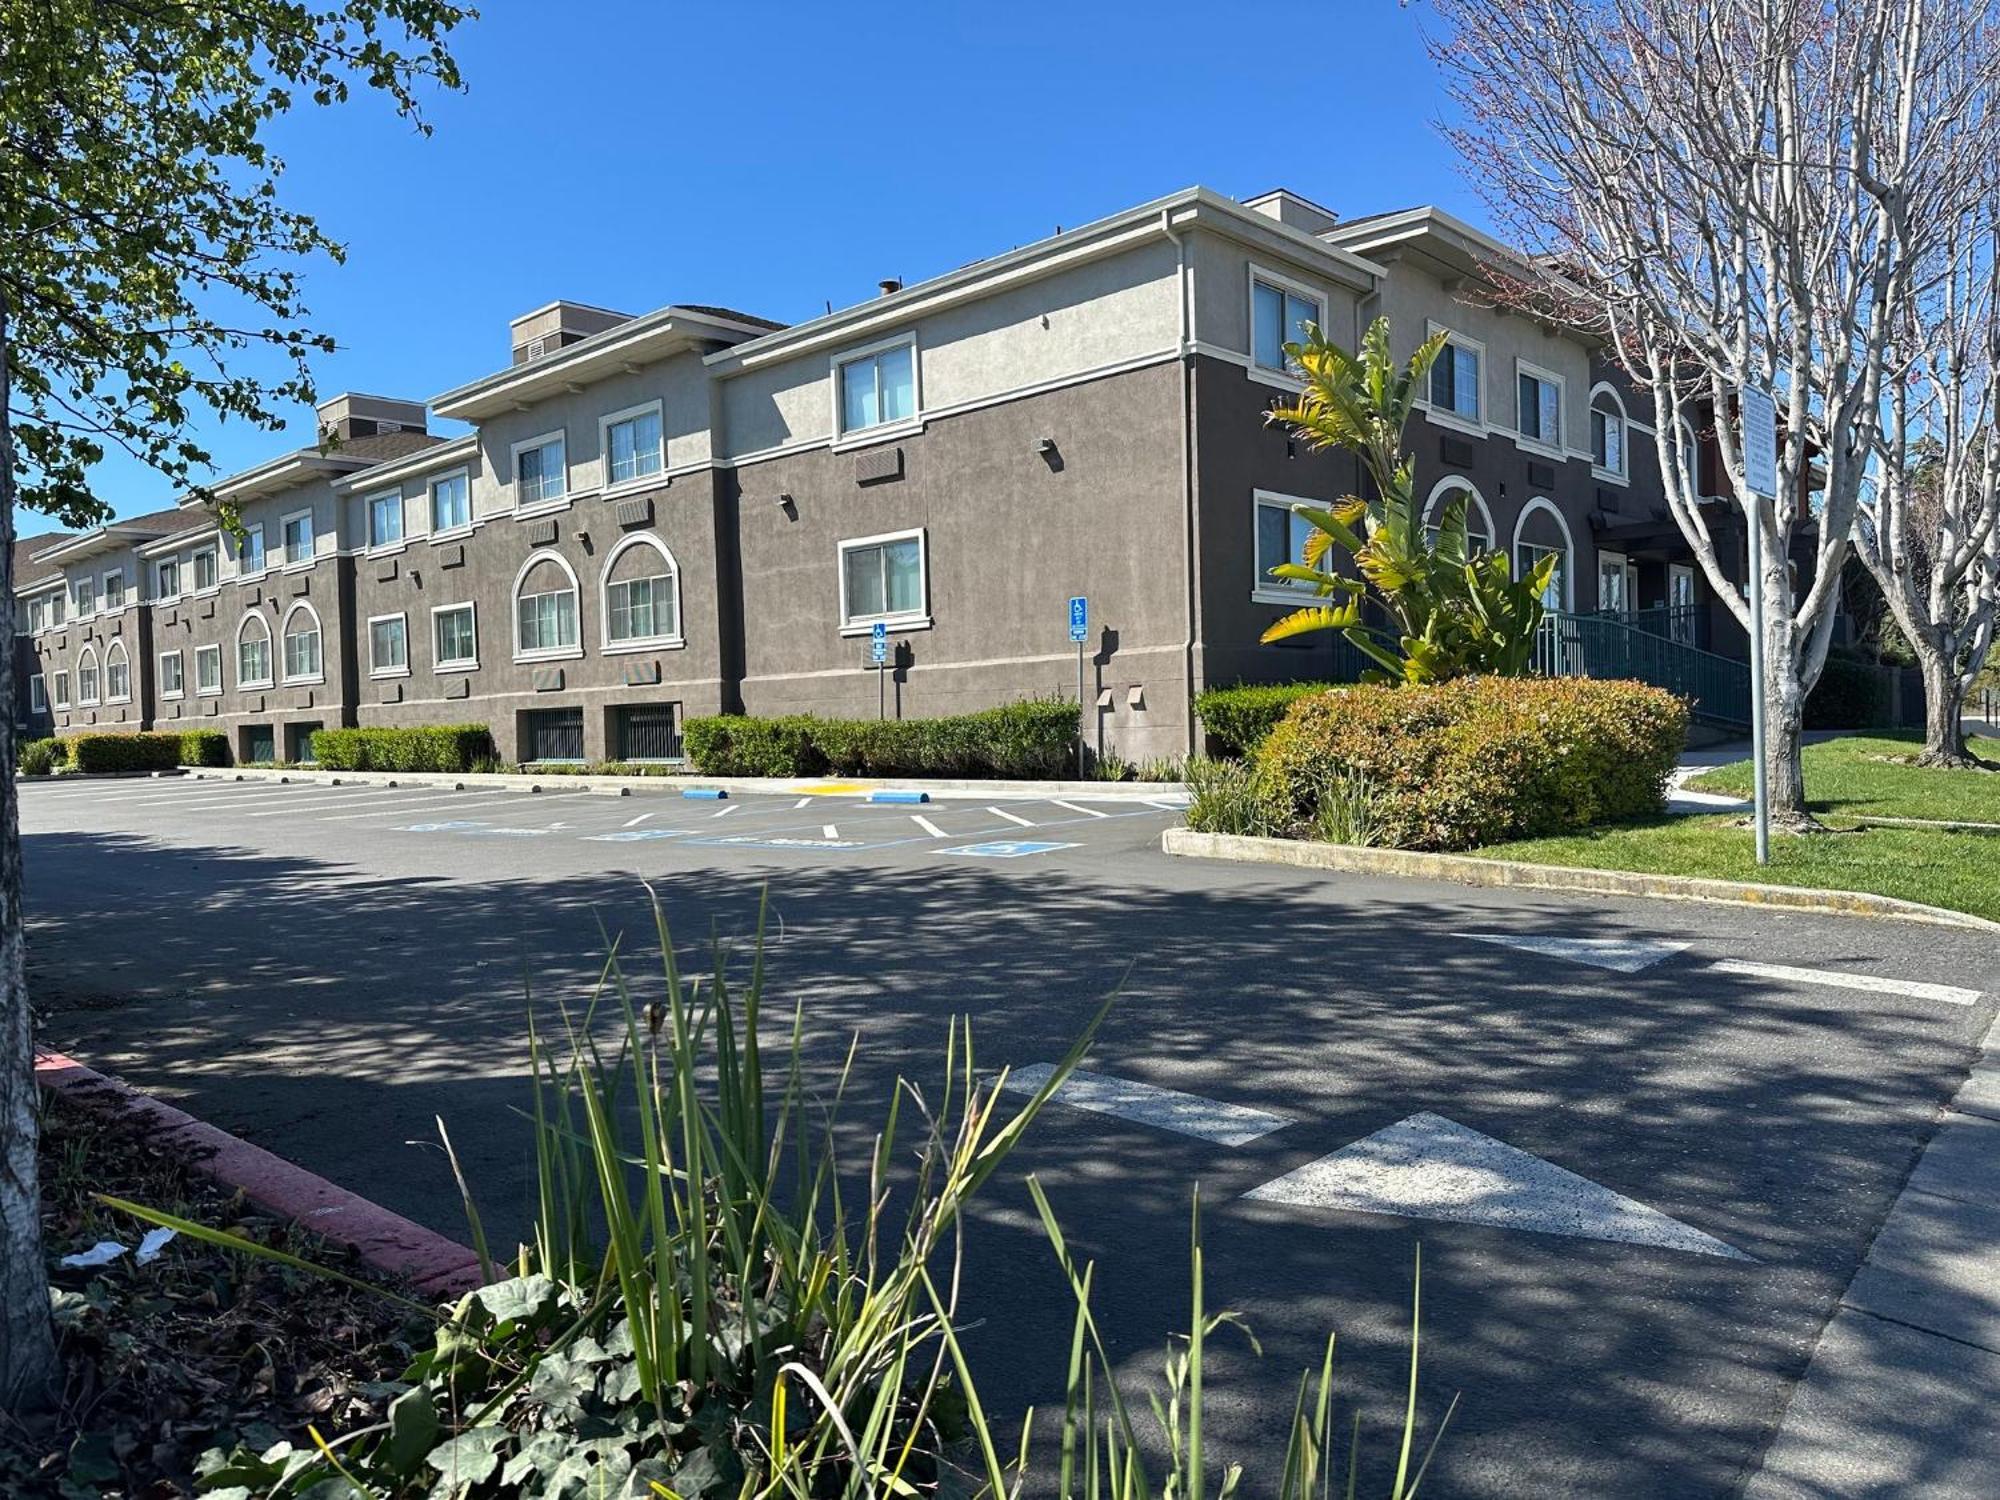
(26, 569)
(381, 446)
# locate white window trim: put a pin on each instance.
(1474, 426)
(1447, 485)
(109, 696)
(296, 564)
(1607, 555)
(104, 604)
(160, 595)
(470, 664)
(1613, 476)
(263, 551)
(553, 653)
(404, 669)
(1284, 283)
(402, 541)
(269, 679)
(1540, 503)
(917, 619)
(445, 533)
(514, 452)
(861, 437)
(61, 690)
(77, 612)
(214, 557)
(199, 690)
(1691, 445)
(674, 640)
(1557, 449)
(181, 691)
(278, 646)
(1269, 590)
(97, 670)
(38, 694)
(610, 420)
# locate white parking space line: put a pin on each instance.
(1145, 1104)
(1949, 994)
(830, 831)
(927, 825)
(723, 812)
(802, 802)
(310, 803)
(208, 791)
(458, 799)
(635, 822)
(1002, 812)
(1093, 812)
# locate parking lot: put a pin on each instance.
(1643, 1146)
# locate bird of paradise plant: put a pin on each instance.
(1448, 611)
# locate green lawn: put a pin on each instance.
(1858, 777)
(1956, 870)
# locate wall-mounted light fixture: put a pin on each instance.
(788, 505)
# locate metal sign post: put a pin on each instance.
(1079, 629)
(1760, 473)
(878, 652)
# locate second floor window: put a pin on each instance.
(878, 388)
(456, 631)
(540, 472)
(388, 645)
(171, 679)
(1607, 437)
(385, 519)
(451, 502)
(298, 539)
(86, 679)
(62, 690)
(253, 654)
(1278, 316)
(208, 669)
(302, 646)
(632, 447)
(1541, 410)
(1455, 381)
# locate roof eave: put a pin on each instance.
(419, 461)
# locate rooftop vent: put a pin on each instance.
(558, 325)
(1289, 209)
(890, 285)
(352, 415)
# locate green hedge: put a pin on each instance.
(204, 747)
(99, 753)
(1237, 719)
(439, 747)
(1852, 693)
(43, 757)
(1029, 740)
(1477, 760)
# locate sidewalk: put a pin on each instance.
(1898, 1397)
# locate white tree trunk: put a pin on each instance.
(27, 1340)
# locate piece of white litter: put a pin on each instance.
(151, 1246)
(100, 1254)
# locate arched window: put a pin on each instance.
(117, 674)
(1540, 532)
(545, 595)
(302, 653)
(1608, 432)
(642, 588)
(1479, 533)
(86, 676)
(253, 652)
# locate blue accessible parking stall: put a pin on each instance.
(1007, 848)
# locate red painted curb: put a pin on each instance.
(387, 1241)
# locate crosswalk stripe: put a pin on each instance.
(1949, 994)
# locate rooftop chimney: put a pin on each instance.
(351, 415)
(890, 285)
(557, 325)
(1289, 209)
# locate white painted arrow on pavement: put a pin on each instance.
(1626, 955)
(1428, 1167)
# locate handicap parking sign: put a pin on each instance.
(1079, 618)
(1006, 848)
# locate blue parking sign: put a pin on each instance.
(1079, 618)
(878, 643)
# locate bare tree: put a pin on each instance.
(1734, 193)
(1928, 525)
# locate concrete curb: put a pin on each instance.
(1466, 870)
(1097, 791)
(386, 1241)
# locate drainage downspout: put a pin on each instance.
(1190, 504)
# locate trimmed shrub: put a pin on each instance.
(1852, 693)
(1032, 739)
(101, 753)
(431, 747)
(43, 757)
(204, 747)
(1238, 718)
(1478, 760)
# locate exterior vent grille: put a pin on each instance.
(537, 348)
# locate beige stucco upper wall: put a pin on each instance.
(1076, 322)
(1221, 270)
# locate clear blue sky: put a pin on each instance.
(773, 157)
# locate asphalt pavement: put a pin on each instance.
(1644, 1146)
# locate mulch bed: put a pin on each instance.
(204, 1347)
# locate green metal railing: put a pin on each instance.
(1572, 645)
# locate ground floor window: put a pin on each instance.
(1281, 538)
(299, 743)
(259, 744)
(1528, 556)
(1681, 621)
(1617, 583)
(882, 578)
(647, 731)
(552, 734)
(37, 694)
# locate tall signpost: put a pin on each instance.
(1079, 630)
(1760, 474)
(878, 653)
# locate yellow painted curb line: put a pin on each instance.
(836, 788)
